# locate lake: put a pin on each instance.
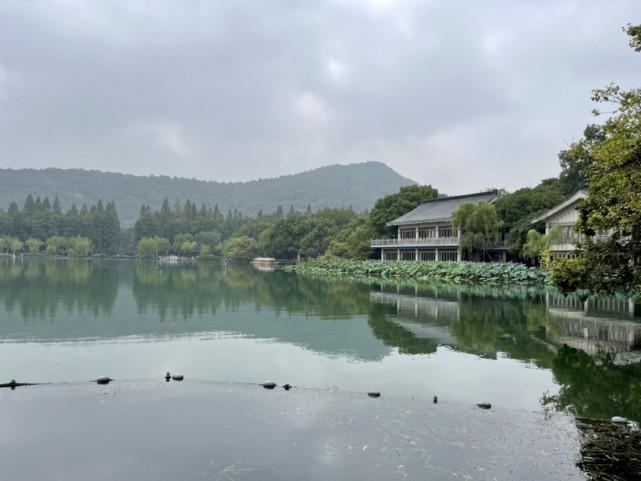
(516, 347)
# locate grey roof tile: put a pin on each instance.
(436, 210)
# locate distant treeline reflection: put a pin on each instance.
(185, 290)
(527, 324)
(38, 288)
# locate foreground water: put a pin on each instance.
(517, 347)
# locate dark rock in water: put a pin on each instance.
(178, 377)
(435, 400)
(287, 387)
(13, 384)
(485, 405)
(374, 394)
(104, 380)
(269, 385)
(167, 377)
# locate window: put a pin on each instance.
(427, 233)
(448, 256)
(407, 234)
(445, 231)
(427, 255)
(408, 255)
(390, 255)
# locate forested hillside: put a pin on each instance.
(337, 186)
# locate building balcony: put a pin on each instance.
(428, 242)
(569, 247)
(414, 242)
(569, 244)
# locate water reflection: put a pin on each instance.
(38, 288)
(595, 326)
(413, 338)
(591, 346)
(481, 321)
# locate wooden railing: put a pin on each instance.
(431, 241)
(413, 241)
(570, 244)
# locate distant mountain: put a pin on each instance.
(336, 186)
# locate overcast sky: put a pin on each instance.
(462, 95)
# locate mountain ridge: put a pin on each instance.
(335, 186)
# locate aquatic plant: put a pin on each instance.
(451, 272)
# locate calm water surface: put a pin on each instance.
(76, 320)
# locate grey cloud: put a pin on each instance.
(239, 90)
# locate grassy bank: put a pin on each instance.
(454, 272)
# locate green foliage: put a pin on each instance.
(189, 248)
(11, 244)
(210, 239)
(613, 205)
(454, 272)
(238, 248)
(318, 237)
(358, 243)
(147, 248)
(599, 270)
(573, 176)
(58, 245)
(393, 206)
(40, 221)
(282, 240)
(337, 250)
(517, 210)
(309, 235)
(77, 246)
(534, 246)
(80, 247)
(34, 245)
(479, 226)
(634, 32)
(537, 244)
(163, 246)
(181, 242)
(150, 247)
(185, 221)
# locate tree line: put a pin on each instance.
(41, 225)
(188, 230)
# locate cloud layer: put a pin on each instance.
(460, 95)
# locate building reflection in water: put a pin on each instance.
(596, 326)
(425, 317)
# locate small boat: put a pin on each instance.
(265, 261)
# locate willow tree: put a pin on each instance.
(479, 227)
(613, 205)
(537, 245)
